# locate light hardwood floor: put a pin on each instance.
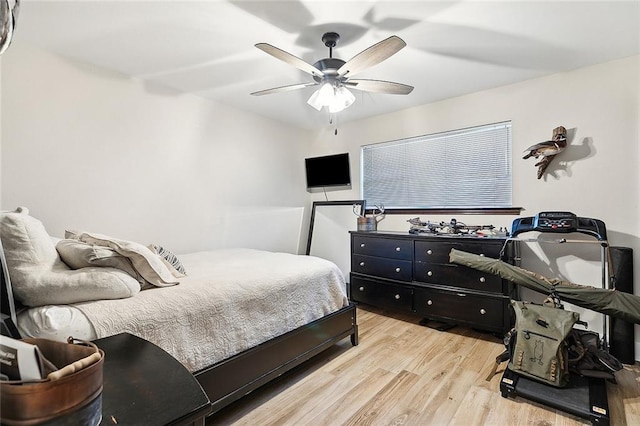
(403, 373)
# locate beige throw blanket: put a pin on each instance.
(230, 301)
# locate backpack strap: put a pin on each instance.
(504, 356)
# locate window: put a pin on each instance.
(466, 169)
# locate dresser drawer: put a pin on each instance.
(457, 276)
(383, 247)
(394, 269)
(483, 312)
(438, 251)
(381, 294)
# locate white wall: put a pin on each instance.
(90, 149)
(86, 148)
(597, 176)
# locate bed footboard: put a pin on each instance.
(235, 377)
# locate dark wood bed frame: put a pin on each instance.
(231, 379)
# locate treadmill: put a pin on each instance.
(583, 397)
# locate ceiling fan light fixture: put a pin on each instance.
(334, 97)
(313, 100)
(322, 97)
(342, 99)
(326, 93)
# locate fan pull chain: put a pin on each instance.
(333, 119)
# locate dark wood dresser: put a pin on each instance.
(411, 273)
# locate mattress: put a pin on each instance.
(231, 300)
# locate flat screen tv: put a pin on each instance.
(330, 170)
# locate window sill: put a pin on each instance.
(479, 210)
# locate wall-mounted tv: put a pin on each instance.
(330, 170)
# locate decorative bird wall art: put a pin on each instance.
(547, 149)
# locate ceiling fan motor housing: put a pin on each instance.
(329, 66)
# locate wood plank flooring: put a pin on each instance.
(403, 373)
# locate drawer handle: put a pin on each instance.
(362, 245)
(361, 263)
(397, 248)
(429, 251)
(361, 288)
(430, 273)
(397, 269)
(429, 302)
(482, 279)
(483, 311)
(397, 297)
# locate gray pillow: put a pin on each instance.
(147, 263)
(171, 260)
(77, 254)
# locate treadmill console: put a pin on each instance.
(559, 222)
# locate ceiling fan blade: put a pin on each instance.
(283, 89)
(289, 59)
(372, 56)
(379, 86)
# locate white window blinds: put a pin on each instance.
(466, 168)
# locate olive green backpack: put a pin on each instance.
(545, 347)
(540, 351)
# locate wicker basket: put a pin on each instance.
(75, 398)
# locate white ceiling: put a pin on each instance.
(453, 48)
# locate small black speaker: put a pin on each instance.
(621, 338)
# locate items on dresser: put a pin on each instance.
(454, 227)
(412, 273)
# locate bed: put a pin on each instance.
(235, 318)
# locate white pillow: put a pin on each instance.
(62, 286)
(25, 240)
(148, 264)
(38, 275)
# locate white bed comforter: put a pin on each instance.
(230, 301)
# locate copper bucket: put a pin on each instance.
(75, 398)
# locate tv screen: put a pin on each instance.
(330, 170)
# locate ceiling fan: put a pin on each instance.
(8, 18)
(333, 75)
